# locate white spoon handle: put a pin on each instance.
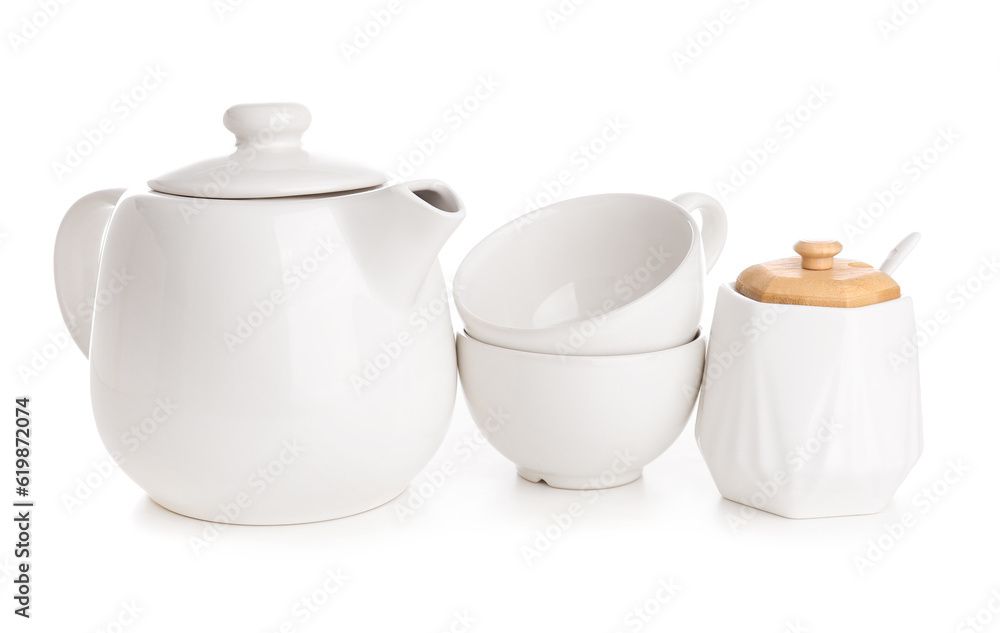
(898, 254)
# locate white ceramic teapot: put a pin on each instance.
(268, 332)
(810, 403)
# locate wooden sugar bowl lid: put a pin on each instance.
(817, 279)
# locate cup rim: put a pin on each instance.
(575, 358)
(555, 208)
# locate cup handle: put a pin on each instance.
(713, 223)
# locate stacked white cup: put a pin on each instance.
(582, 355)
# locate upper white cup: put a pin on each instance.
(598, 275)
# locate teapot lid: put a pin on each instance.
(269, 161)
(817, 279)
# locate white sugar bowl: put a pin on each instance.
(810, 405)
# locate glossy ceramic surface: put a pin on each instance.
(580, 422)
(269, 160)
(598, 275)
(810, 411)
(265, 361)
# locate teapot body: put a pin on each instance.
(810, 411)
(243, 370)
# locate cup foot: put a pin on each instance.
(570, 482)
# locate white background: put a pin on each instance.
(688, 126)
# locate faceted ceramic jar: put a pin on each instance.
(810, 411)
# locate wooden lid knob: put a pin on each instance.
(817, 254)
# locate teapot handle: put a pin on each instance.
(77, 259)
(713, 223)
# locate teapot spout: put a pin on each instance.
(395, 234)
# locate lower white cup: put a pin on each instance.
(580, 422)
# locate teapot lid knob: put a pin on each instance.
(817, 254)
(268, 125)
